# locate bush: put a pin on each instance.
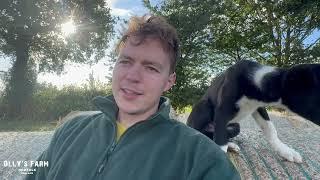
(49, 103)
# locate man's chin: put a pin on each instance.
(132, 111)
(129, 107)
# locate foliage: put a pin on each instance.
(196, 59)
(31, 34)
(39, 22)
(270, 32)
(216, 34)
(49, 103)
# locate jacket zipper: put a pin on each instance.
(115, 143)
(130, 128)
(102, 165)
(110, 150)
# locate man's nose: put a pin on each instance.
(134, 74)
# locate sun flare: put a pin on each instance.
(68, 28)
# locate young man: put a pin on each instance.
(133, 137)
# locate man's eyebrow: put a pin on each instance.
(126, 57)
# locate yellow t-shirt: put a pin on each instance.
(120, 129)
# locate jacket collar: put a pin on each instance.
(109, 107)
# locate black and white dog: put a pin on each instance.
(245, 89)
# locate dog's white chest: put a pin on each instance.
(247, 107)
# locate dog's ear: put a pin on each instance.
(200, 115)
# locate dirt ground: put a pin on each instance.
(20, 146)
(256, 159)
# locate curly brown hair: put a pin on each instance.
(151, 26)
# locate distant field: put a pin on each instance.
(26, 125)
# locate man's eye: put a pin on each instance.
(150, 68)
(124, 61)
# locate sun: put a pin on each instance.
(68, 28)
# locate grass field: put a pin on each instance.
(26, 125)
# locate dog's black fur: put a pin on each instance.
(218, 112)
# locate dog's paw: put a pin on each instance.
(224, 148)
(233, 147)
(290, 154)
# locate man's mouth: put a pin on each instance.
(130, 93)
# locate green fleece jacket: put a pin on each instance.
(157, 148)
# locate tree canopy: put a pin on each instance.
(31, 34)
(215, 34)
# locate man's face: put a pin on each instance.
(140, 76)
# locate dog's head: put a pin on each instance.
(301, 91)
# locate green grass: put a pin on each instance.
(186, 109)
(41, 125)
(26, 125)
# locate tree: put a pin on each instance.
(272, 32)
(215, 34)
(191, 21)
(31, 34)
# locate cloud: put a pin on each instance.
(121, 12)
(115, 11)
(110, 3)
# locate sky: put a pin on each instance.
(77, 74)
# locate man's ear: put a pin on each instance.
(171, 81)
